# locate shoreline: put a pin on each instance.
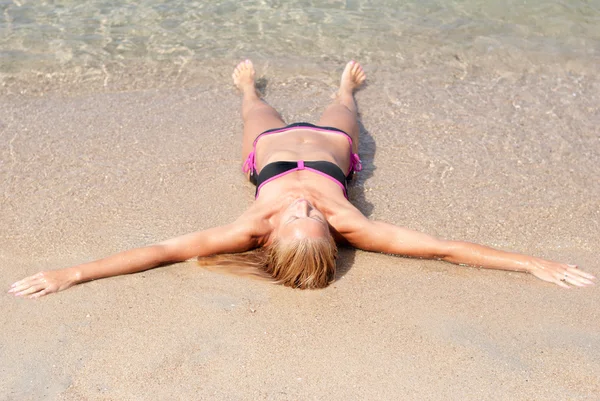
(470, 64)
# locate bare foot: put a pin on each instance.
(243, 76)
(352, 77)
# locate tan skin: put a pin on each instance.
(300, 204)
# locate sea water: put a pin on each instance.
(123, 44)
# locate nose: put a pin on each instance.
(303, 208)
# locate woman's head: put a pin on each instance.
(302, 255)
(307, 262)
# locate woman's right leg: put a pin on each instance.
(257, 115)
(342, 113)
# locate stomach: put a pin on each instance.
(304, 145)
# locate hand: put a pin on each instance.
(43, 283)
(560, 273)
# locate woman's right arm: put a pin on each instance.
(235, 237)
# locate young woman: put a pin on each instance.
(301, 210)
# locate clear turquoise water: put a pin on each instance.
(69, 41)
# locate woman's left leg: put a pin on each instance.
(342, 113)
(258, 116)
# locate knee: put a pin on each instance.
(259, 109)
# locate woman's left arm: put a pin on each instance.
(378, 236)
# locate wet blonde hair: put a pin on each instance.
(299, 263)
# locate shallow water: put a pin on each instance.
(119, 44)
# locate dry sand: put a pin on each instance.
(504, 159)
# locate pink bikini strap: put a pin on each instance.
(250, 163)
(355, 163)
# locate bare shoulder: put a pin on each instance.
(255, 224)
(346, 219)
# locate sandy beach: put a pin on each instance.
(506, 158)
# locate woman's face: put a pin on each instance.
(300, 220)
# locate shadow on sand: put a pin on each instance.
(356, 192)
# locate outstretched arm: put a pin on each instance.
(225, 239)
(383, 237)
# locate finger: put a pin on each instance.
(574, 270)
(29, 290)
(574, 281)
(27, 279)
(561, 284)
(584, 280)
(27, 282)
(39, 294)
(576, 274)
(23, 286)
(20, 282)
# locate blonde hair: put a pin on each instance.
(299, 263)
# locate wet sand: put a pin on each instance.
(504, 158)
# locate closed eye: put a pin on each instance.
(310, 217)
